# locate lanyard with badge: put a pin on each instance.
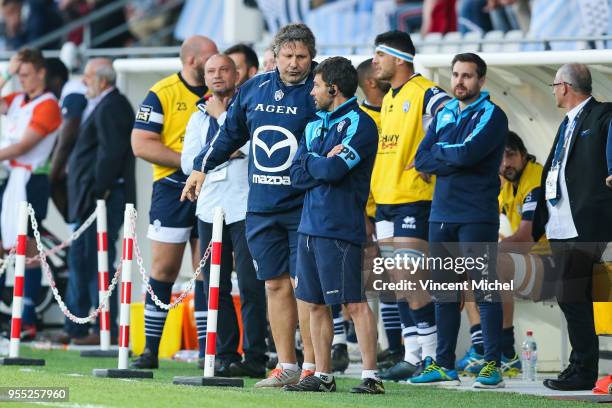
(552, 179)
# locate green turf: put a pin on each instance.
(160, 392)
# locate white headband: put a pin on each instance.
(395, 53)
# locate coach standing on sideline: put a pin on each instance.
(334, 165)
(101, 168)
(272, 110)
(464, 148)
(575, 212)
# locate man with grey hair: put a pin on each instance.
(271, 110)
(101, 168)
(575, 213)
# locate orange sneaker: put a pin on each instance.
(306, 373)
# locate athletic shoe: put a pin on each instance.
(147, 360)
(312, 384)
(247, 368)
(511, 367)
(489, 377)
(399, 372)
(369, 386)
(471, 363)
(421, 366)
(278, 378)
(306, 373)
(389, 357)
(340, 358)
(433, 374)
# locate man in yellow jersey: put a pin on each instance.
(157, 137)
(403, 195)
(517, 201)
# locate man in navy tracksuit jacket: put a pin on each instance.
(463, 148)
(271, 110)
(334, 165)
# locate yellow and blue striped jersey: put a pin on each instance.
(405, 115)
(166, 110)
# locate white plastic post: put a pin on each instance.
(213, 294)
(126, 287)
(20, 256)
(101, 236)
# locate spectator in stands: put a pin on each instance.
(246, 61)
(227, 187)
(72, 10)
(439, 16)
(473, 16)
(503, 15)
(269, 63)
(29, 127)
(43, 18)
(73, 102)
(568, 18)
(101, 168)
(105, 24)
(575, 213)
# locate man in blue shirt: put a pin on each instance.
(334, 165)
(463, 148)
(271, 110)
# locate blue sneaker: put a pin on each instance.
(489, 377)
(511, 367)
(433, 374)
(471, 363)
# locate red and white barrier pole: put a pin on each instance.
(18, 289)
(126, 287)
(104, 315)
(213, 294)
(209, 378)
(20, 255)
(122, 370)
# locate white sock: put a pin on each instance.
(308, 366)
(289, 366)
(411, 345)
(428, 343)
(325, 377)
(369, 374)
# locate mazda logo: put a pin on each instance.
(289, 141)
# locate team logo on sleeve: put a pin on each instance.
(144, 113)
(278, 95)
(341, 126)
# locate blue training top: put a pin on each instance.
(337, 187)
(464, 148)
(273, 115)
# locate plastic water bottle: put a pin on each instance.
(529, 357)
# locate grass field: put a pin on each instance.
(68, 369)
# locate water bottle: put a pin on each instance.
(529, 357)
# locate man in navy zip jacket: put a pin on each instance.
(464, 147)
(271, 110)
(334, 165)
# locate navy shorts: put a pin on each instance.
(272, 240)
(403, 220)
(329, 271)
(170, 220)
